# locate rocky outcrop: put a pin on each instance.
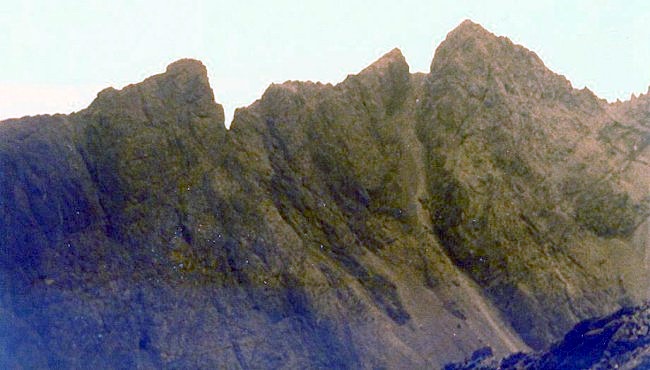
(392, 220)
(617, 341)
(516, 200)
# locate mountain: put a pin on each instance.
(393, 220)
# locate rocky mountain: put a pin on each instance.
(393, 220)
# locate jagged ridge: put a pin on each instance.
(395, 219)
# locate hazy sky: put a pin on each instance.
(56, 55)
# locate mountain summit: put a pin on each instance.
(394, 220)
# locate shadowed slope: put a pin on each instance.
(392, 220)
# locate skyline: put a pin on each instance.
(66, 53)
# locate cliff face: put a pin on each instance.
(529, 198)
(395, 219)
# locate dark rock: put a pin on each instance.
(617, 341)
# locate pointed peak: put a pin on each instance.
(468, 26)
(394, 54)
(470, 41)
(393, 57)
(469, 31)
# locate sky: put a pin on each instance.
(56, 55)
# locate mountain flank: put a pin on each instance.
(393, 220)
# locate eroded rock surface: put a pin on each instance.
(393, 220)
(617, 341)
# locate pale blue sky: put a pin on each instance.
(56, 55)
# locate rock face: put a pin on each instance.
(618, 341)
(393, 220)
